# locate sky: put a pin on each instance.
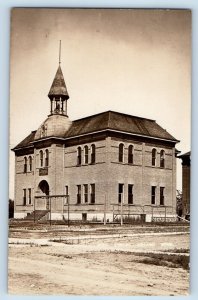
(134, 61)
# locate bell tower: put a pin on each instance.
(58, 92)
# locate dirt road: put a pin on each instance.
(97, 267)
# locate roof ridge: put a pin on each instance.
(116, 112)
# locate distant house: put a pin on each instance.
(186, 162)
(95, 166)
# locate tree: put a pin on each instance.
(179, 203)
(11, 208)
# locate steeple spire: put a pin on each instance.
(60, 53)
(58, 92)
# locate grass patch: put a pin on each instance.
(182, 250)
(168, 260)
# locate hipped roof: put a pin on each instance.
(113, 121)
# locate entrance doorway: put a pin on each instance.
(44, 189)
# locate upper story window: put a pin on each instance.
(93, 154)
(86, 155)
(154, 154)
(121, 153)
(162, 159)
(41, 158)
(79, 158)
(46, 158)
(30, 163)
(25, 165)
(130, 154)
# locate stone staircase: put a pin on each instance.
(37, 215)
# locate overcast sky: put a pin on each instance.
(132, 61)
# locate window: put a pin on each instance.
(25, 165)
(24, 197)
(93, 154)
(78, 194)
(46, 158)
(92, 193)
(41, 158)
(86, 155)
(162, 159)
(30, 163)
(29, 196)
(79, 160)
(153, 192)
(154, 152)
(130, 154)
(120, 192)
(121, 153)
(161, 195)
(85, 193)
(130, 194)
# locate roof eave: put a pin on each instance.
(124, 132)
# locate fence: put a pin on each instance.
(61, 204)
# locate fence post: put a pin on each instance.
(121, 219)
(152, 214)
(34, 211)
(105, 210)
(50, 203)
(68, 210)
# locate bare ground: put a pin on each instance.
(97, 265)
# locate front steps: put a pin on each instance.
(37, 215)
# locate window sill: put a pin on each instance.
(85, 204)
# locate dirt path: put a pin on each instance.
(96, 268)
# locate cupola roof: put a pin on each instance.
(58, 88)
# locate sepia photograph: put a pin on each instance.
(100, 152)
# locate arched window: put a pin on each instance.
(121, 153)
(79, 160)
(162, 159)
(46, 158)
(130, 154)
(30, 163)
(41, 158)
(86, 155)
(93, 154)
(25, 165)
(154, 152)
